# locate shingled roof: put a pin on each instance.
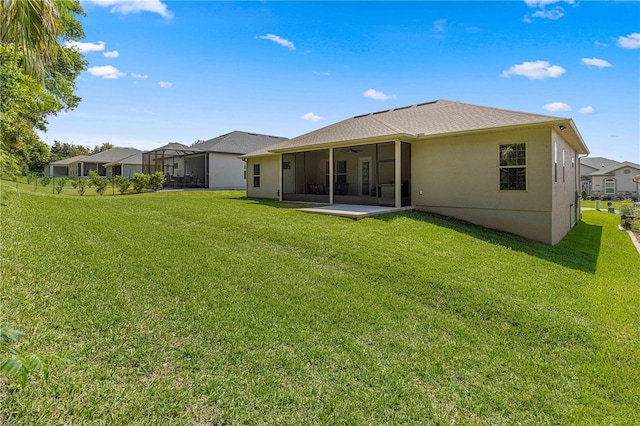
(604, 166)
(111, 155)
(238, 142)
(132, 159)
(423, 120)
(70, 160)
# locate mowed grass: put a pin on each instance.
(603, 204)
(209, 308)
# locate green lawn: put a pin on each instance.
(603, 204)
(208, 308)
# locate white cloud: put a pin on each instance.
(557, 106)
(107, 72)
(134, 75)
(632, 41)
(134, 6)
(85, 47)
(595, 62)
(553, 14)
(543, 3)
(587, 110)
(376, 94)
(321, 73)
(536, 70)
(439, 26)
(600, 44)
(165, 84)
(277, 39)
(312, 117)
(112, 54)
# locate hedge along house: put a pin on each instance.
(506, 170)
(182, 166)
(212, 164)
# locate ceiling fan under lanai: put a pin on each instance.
(351, 149)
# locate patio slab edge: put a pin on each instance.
(354, 212)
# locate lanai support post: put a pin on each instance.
(398, 174)
(330, 175)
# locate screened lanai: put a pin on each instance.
(362, 174)
(182, 166)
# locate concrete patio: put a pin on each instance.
(353, 211)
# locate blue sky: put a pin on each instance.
(162, 71)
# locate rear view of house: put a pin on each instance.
(114, 161)
(507, 170)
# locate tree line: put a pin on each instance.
(38, 73)
(33, 156)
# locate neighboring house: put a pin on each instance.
(98, 161)
(65, 167)
(602, 177)
(81, 164)
(213, 164)
(126, 166)
(506, 170)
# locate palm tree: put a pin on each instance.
(32, 27)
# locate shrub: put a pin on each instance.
(93, 178)
(74, 182)
(122, 183)
(30, 177)
(81, 186)
(140, 181)
(60, 183)
(629, 215)
(583, 195)
(156, 180)
(101, 185)
(45, 180)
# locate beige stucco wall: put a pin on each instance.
(226, 171)
(564, 188)
(624, 182)
(459, 177)
(269, 177)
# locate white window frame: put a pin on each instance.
(605, 182)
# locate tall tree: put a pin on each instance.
(99, 148)
(61, 150)
(37, 72)
(32, 155)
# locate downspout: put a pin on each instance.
(246, 177)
